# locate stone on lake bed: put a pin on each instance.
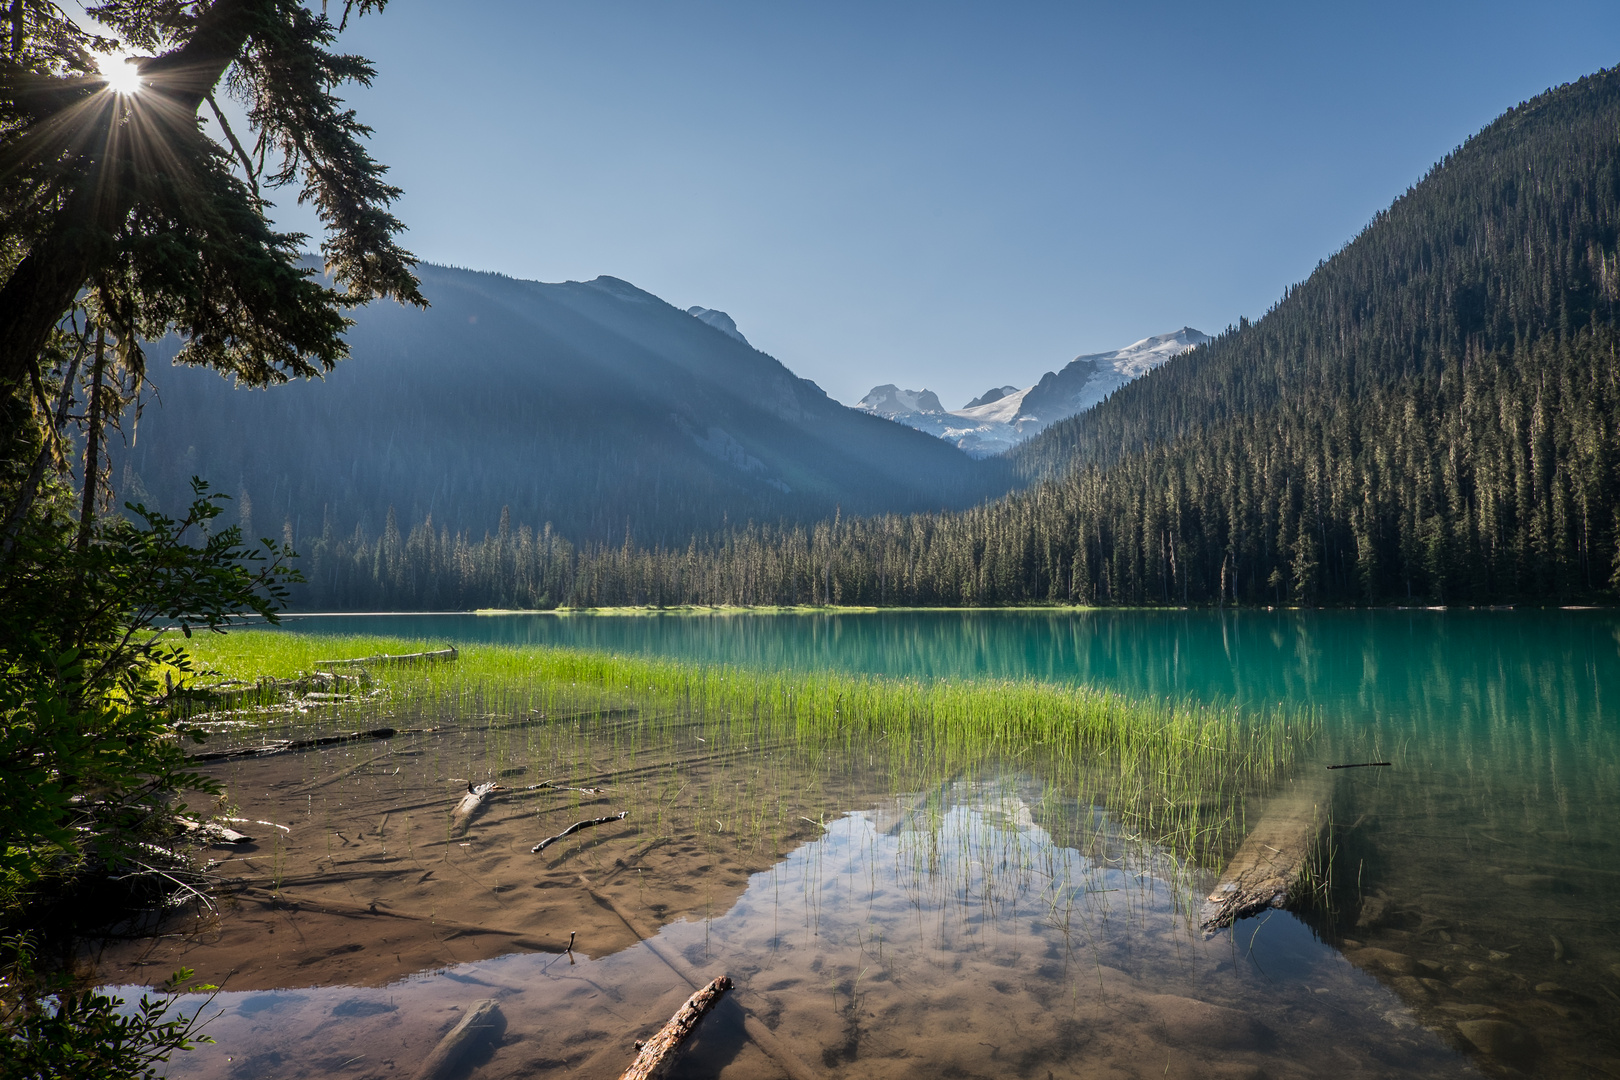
(1373, 910)
(1537, 882)
(1471, 1011)
(1498, 1038)
(1412, 987)
(1388, 959)
(1190, 1022)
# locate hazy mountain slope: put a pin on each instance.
(594, 406)
(1005, 416)
(719, 320)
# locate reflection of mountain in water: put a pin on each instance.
(940, 933)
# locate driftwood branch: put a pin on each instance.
(385, 659)
(213, 832)
(469, 806)
(575, 827)
(658, 1053)
(552, 785)
(753, 1027)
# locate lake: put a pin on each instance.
(1473, 923)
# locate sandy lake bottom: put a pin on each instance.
(983, 926)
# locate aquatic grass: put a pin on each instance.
(1177, 772)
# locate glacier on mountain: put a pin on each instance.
(1005, 416)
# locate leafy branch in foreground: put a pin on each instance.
(57, 1032)
(90, 759)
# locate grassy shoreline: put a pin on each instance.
(840, 609)
(1170, 767)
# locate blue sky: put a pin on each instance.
(950, 196)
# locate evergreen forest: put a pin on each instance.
(1429, 418)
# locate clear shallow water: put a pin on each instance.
(1476, 878)
(949, 933)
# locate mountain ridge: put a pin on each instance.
(594, 406)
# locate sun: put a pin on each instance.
(120, 75)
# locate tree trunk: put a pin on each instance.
(92, 441)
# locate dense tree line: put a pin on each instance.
(1431, 417)
(1487, 481)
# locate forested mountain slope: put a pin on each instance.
(1509, 239)
(592, 406)
(1432, 417)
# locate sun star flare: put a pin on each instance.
(120, 73)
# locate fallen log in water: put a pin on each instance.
(657, 1054)
(385, 659)
(1277, 851)
(469, 806)
(282, 746)
(483, 1024)
(761, 1036)
(575, 827)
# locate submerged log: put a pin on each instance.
(282, 746)
(761, 1036)
(469, 806)
(575, 827)
(483, 1024)
(658, 1053)
(385, 659)
(1274, 856)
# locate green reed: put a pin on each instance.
(1177, 771)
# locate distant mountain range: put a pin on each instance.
(1004, 416)
(593, 406)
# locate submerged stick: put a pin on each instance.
(658, 1053)
(469, 806)
(552, 785)
(282, 746)
(1362, 765)
(399, 658)
(482, 1024)
(575, 827)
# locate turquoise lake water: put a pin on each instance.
(1476, 875)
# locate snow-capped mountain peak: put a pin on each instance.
(1005, 416)
(995, 393)
(892, 402)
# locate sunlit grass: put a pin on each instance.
(1178, 771)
